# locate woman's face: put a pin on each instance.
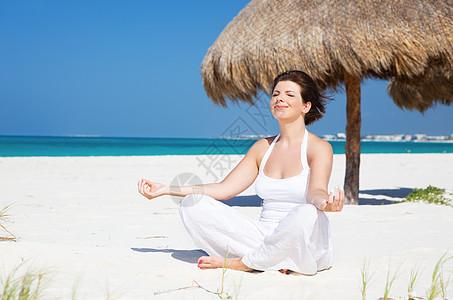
(286, 102)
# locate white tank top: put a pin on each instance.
(280, 196)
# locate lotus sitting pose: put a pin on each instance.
(291, 172)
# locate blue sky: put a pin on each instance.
(132, 69)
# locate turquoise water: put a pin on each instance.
(103, 146)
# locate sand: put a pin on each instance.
(82, 220)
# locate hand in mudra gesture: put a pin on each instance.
(151, 189)
(334, 203)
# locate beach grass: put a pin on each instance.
(431, 194)
(366, 276)
(439, 285)
(33, 283)
(224, 270)
(444, 284)
(27, 286)
(413, 278)
(390, 280)
(4, 212)
(437, 288)
(3, 216)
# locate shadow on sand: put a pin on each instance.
(255, 201)
(394, 193)
(190, 256)
(244, 201)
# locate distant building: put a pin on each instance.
(420, 137)
(329, 137)
(341, 136)
(392, 138)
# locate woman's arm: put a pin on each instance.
(320, 159)
(239, 179)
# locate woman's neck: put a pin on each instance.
(292, 132)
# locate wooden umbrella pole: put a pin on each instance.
(352, 147)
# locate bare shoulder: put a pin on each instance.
(318, 148)
(260, 147)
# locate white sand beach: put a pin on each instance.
(83, 221)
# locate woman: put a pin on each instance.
(292, 172)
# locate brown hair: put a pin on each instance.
(309, 93)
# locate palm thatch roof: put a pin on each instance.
(408, 42)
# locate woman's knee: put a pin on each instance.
(305, 214)
(196, 204)
(189, 207)
(306, 210)
(191, 200)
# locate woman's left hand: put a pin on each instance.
(335, 202)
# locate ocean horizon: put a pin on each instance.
(20, 146)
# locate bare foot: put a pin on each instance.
(216, 262)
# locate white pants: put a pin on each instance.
(299, 242)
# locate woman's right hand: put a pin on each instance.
(151, 189)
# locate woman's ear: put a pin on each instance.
(306, 107)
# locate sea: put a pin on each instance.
(12, 146)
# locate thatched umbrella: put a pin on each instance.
(409, 42)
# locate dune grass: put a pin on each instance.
(3, 216)
(27, 286)
(366, 276)
(4, 212)
(413, 278)
(437, 288)
(33, 284)
(224, 269)
(389, 281)
(431, 194)
(439, 285)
